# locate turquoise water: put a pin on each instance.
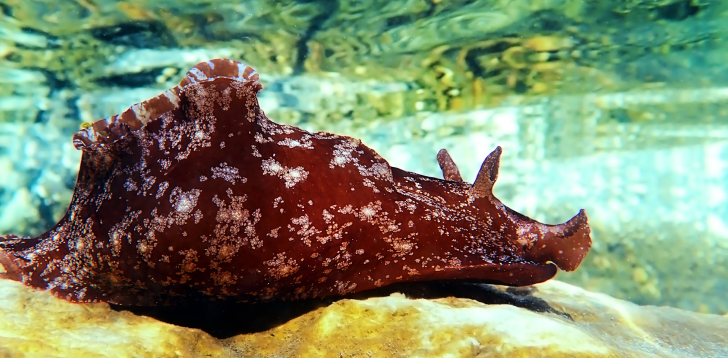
(615, 107)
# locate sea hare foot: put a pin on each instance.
(197, 194)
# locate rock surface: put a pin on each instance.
(579, 324)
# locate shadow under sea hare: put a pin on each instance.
(196, 194)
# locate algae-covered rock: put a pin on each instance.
(574, 323)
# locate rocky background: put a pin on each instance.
(616, 106)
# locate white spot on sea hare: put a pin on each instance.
(292, 143)
(277, 201)
(295, 175)
(184, 203)
(368, 212)
(344, 153)
(160, 190)
(256, 153)
(130, 185)
(327, 216)
(377, 170)
(280, 267)
(227, 172)
(291, 176)
(165, 163)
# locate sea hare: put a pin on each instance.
(197, 194)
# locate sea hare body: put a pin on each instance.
(196, 194)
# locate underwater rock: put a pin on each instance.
(196, 194)
(34, 323)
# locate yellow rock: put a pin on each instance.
(35, 324)
(395, 326)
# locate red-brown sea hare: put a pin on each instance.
(196, 193)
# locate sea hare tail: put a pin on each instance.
(8, 268)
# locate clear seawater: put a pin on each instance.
(617, 107)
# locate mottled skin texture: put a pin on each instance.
(196, 194)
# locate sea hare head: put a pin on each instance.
(196, 194)
(564, 244)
